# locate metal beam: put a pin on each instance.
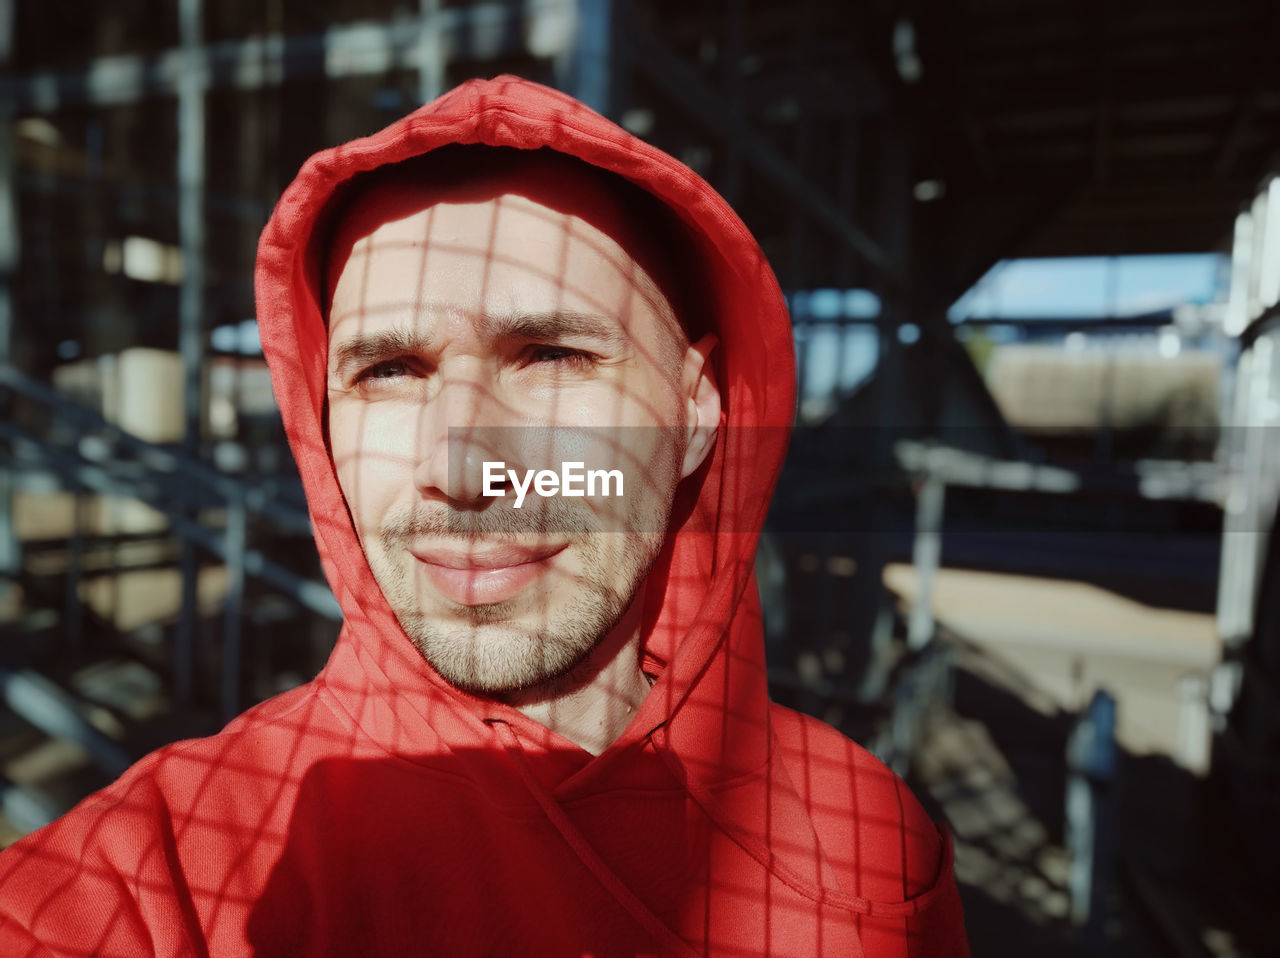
(584, 70)
(1247, 105)
(1163, 109)
(799, 237)
(1029, 30)
(235, 541)
(1066, 150)
(311, 595)
(977, 138)
(847, 186)
(10, 246)
(1104, 121)
(949, 81)
(432, 56)
(190, 174)
(58, 715)
(926, 556)
(733, 83)
(28, 808)
(1225, 159)
(1039, 212)
(195, 478)
(686, 87)
(353, 49)
(191, 231)
(10, 237)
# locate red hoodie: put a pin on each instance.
(379, 811)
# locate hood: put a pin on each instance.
(702, 630)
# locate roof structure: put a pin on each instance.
(1017, 127)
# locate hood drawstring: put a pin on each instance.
(672, 944)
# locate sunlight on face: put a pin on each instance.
(502, 330)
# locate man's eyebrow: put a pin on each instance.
(556, 325)
(365, 349)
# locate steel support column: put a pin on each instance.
(9, 239)
(926, 556)
(888, 387)
(731, 54)
(191, 232)
(798, 232)
(432, 52)
(847, 185)
(585, 69)
(236, 538)
(10, 557)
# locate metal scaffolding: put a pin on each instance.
(884, 154)
(96, 131)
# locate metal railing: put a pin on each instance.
(97, 457)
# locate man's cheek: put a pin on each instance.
(370, 451)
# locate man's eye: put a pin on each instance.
(389, 369)
(560, 356)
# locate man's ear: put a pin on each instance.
(702, 403)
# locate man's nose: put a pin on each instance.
(460, 427)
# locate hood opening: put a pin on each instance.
(702, 613)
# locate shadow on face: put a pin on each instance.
(511, 320)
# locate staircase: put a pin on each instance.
(138, 604)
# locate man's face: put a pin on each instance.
(504, 330)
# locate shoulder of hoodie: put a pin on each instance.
(862, 812)
(235, 782)
(200, 818)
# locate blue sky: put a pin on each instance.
(1075, 287)
(1094, 286)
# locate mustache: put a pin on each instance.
(552, 517)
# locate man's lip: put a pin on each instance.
(485, 574)
(483, 557)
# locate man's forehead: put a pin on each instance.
(538, 183)
(397, 227)
(487, 268)
(531, 182)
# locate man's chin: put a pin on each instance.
(510, 678)
(489, 652)
(538, 639)
(490, 613)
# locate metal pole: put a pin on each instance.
(926, 555)
(59, 715)
(73, 622)
(236, 534)
(586, 69)
(1091, 770)
(191, 226)
(799, 275)
(890, 385)
(9, 239)
(191, 230)
(735, 93)
(847, 185)
(10, 557)
(431, 51)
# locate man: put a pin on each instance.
(545, 728)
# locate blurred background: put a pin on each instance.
(1025, 546)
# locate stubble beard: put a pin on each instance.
(483, 649)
